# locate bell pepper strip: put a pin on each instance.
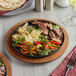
(55, 42)
(53, 47)
(32, 49)
(46, 46)
(24, 52)
(18, 45)
(27, 42)
(24, 49)
(23, 46)
(37, 43)
(42, 43)
(34, 52)
(50, 47)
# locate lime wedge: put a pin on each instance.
(73, 3)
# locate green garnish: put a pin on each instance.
(45, 52)
(53, 50)
(49, 45)
(0, 64)
(39, 28)
(30, 29)
(43, 38)
(19, 39)
(23, 39)
(55, 26)
(1, 61)
(40, 36)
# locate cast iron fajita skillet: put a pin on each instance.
(35, 56)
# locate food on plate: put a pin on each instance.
(38, 38)
(2, 68)
(7, 5)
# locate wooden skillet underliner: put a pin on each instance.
(17, 55)
(8, 67)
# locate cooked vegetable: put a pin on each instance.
(43, 38)
(47, 45)
(37, 43)
(18, 40)
(55, 42)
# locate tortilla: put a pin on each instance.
(7, 5)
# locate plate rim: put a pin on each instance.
(7, 65)
(29, 4)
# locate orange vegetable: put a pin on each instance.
(46, 46)
(24, 49)
(53, 47)
(32, 49)
(26, 42)
(26, 52)
(21, 46)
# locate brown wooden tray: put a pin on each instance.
(8, 67)
(17, 55)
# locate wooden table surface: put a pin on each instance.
(59, 15)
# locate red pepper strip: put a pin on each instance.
(47, 45)
(26, 42)
(37, 43)
(57, 43)
(24, 52)
(53, 47)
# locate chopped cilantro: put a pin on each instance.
(43, 38)
(39, 28)
(55, 26)
(53, 50)
(30, 29)
(45, 52)
(40, 36)
(17, 41)
(23, 39)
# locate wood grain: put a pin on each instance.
(8, 67)
(17, 55)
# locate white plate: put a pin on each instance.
(21, 9)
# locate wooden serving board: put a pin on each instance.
(8, 67)
(17, 55)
